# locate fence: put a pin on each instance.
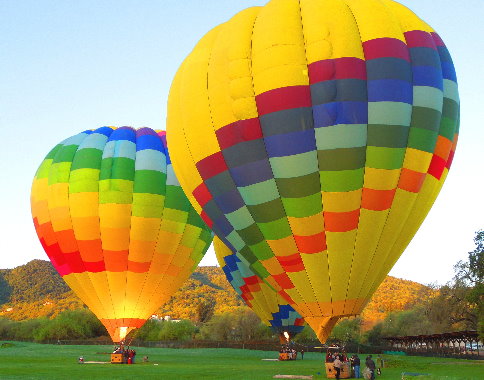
(250, 345)
(309, 346)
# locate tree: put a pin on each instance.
(205, 309)
(5, 289)
(450, 310)
(5, 327)
(471, 274)
(181, 330)
(72, 324)
(247, 325)
(240, 325)
(459, 304)
(347, 331)
(373, 336)
(220, 327)
(307, 336)
(35, 280)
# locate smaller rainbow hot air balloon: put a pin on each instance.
(269, 306)
(115, 223)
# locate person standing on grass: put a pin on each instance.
(379, 363)
(355, 362)
(370, 364)
(302, 353)
(337, 366)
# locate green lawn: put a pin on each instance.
(42, 361)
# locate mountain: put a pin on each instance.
(35, 289)
(393, 294)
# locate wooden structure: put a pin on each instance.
(287, 356)
(344, 374)
(454, 344)
(117, 358)
(346, 370)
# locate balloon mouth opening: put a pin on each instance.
(123, 331)
(122, 334)
(120, 329)
(285, 337)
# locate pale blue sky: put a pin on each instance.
(71, 65)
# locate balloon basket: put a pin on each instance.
(344, 374)
(283, 356)
(117, 358)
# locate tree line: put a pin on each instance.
(458, 305)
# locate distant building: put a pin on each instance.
(167, 318)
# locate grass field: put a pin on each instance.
(42, 361)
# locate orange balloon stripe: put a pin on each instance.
(443, 147)
(341, 221)
(411, 180)
(67, 241)
(254, 288)
(116, 261)
(377, 200)
(46, 231)
(91, 250)
(311, 244)
(138, 267)
(292, 263)
(284, 281)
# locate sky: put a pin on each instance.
(67, 66)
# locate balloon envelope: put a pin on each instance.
(269, 306)
(116, 224)
(313, 137)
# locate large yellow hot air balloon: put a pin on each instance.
(116, 224)
(313, 136)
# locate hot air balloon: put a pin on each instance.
(269, 306)
(115, 223)
(313, 136)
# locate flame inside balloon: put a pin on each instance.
(123, 331)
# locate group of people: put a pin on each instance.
(332, 356)
(128, 354)
(372, 367)
(287, 353)
(338, 359)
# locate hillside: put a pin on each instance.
(35, 289)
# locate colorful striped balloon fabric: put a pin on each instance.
(115, 223)
(313, 136)
(269, 306)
